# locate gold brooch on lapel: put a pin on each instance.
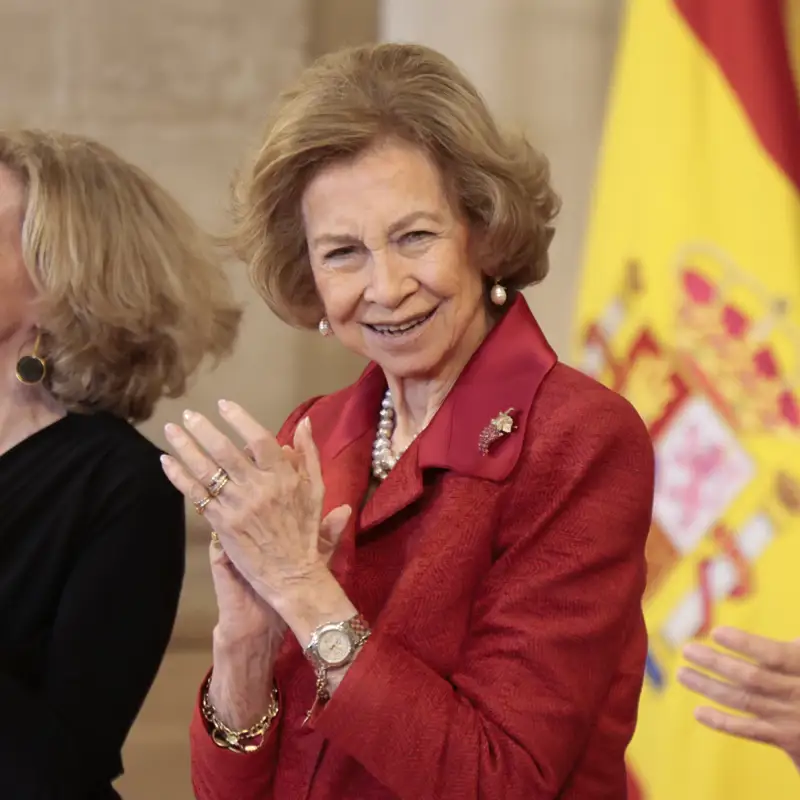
(500, 426)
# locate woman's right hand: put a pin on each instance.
(242, 613)
(249, 634)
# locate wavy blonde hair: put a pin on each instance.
(131, 293)
(347, 102)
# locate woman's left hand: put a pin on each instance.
(759, 677)
(268, 515)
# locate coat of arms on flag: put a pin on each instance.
(727, 376)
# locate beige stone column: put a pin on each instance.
(545, 66)
(479, 35)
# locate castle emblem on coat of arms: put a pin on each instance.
(718, 385)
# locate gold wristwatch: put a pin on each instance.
(334, 645)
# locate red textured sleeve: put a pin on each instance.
(219, 774)
(549, 629)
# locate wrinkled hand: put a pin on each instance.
(242, 612)
(268, 515)
(759, 677)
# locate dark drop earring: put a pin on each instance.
(32, 368)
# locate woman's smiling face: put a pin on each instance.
(392, 261)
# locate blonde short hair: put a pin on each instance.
(345, 103)
(132, 295)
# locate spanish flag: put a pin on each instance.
(690, 307)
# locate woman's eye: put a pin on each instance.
(340, 252)
(415, 236)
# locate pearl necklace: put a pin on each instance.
(383, 457)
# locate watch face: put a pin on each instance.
(334, 647)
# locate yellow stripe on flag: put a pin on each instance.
(690, 306)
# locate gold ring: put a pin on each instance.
(215, 539)
(201, 505)
(217, 482)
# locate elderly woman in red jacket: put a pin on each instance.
(429, 582)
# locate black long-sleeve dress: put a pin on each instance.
(92, 556)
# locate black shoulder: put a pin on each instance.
(126, 470)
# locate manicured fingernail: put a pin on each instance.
(224, 405)
(188, 416)
(166, 460)
(172, 430)
(307, 423)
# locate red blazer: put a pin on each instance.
(504, 592)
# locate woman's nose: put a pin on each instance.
(389, 282)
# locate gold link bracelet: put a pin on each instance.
(249, 740)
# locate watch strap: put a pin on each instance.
(360, 630)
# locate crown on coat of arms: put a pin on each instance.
(739, 346)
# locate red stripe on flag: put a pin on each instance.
(748, 40)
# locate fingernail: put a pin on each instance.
(224, 405)
(172, 430)
(166, 460)
(693, 650)
(188, 416)
(307, 423)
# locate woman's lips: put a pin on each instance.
(402, 331)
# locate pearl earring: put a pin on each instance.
(325, 327)
(499, 295)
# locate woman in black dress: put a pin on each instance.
(110, 298)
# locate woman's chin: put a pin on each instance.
(409, 366)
